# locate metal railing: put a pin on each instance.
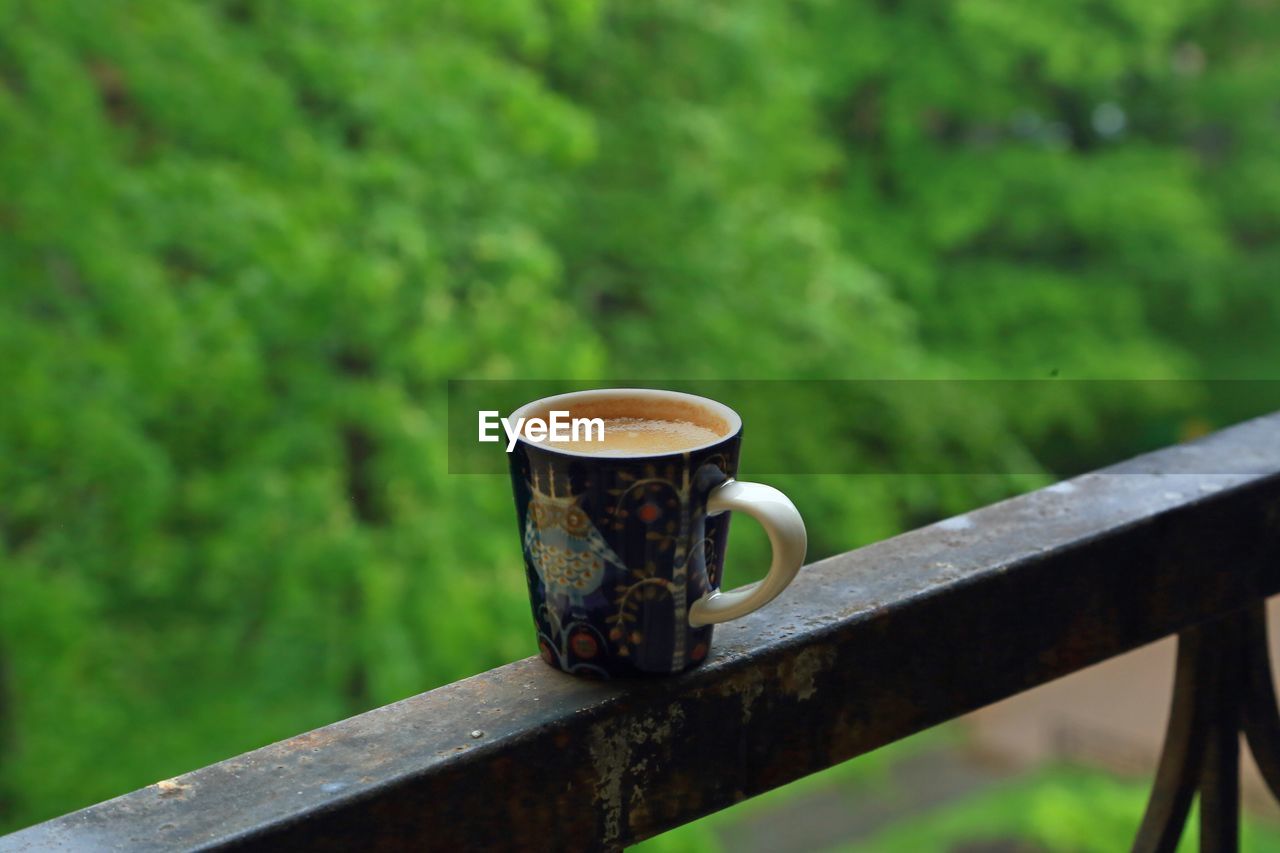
(864, 648)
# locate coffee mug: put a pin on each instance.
(624, 548)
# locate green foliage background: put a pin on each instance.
(243, 245)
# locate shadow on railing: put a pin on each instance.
(864, 648)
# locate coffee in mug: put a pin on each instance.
(624, 529)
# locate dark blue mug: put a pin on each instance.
(623, 553)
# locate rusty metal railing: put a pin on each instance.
(864, 648)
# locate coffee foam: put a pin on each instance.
(636, 426)
(632, 436)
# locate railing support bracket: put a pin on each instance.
(1222, 689)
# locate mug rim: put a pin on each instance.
(715, 406)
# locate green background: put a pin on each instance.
(243, 247)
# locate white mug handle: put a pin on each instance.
(780, 519)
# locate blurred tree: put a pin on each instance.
(242, 244)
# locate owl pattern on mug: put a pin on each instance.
(566, 550)
(595, 610)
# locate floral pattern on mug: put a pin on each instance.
(616, 550)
